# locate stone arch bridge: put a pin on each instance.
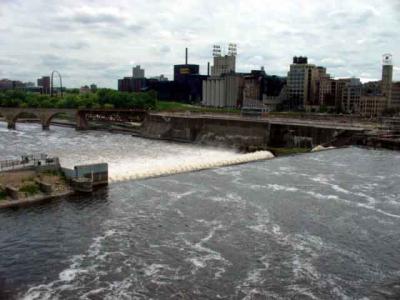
(45, 115)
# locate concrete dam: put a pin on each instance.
(245, 133)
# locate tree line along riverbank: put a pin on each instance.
(102, 98)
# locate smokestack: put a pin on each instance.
(208, 68)
(186, 56)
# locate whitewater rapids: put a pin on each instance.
(128, 157)
(210, 163)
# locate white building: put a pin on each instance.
(223, 91)
(223, 65)
(224, 88)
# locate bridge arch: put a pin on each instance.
(12, 118)
(2, 119)
(49, 117)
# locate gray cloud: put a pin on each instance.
(99, 40)
(78, 45)
(5, 61)
(96, 18)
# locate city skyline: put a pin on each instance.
(95, 42)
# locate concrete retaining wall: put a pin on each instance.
(237, 133)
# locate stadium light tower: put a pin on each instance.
(232, 49)
(216, 50)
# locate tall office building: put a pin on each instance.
(326, 87)
(300, 82)
(395, 94)
(351, 95)
(44, 84)
(387, 78)
(137, 72)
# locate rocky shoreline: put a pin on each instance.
(34, 199)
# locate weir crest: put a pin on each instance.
(190, 167)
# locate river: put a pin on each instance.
(317, 226)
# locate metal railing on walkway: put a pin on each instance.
(25, 161)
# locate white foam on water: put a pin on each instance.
(370, 205)
(37, 295)
(321, 178)
(219, 273)
(153, 269)
(68, 275)
(67, 279)
(253, 285)
(277, 187)
(255, 275)
(175, 167)
(324, 180)
(230, 197)
(339, 189)
(198, 262)
(303, 291)
(322, 196)
(92, 293)
(203, 254)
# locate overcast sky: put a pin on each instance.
(99, 41)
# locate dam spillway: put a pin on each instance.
(129, 158)
(190, 167)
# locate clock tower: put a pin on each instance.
(387, 78)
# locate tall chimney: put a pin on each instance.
(186, 56)
(208, 68)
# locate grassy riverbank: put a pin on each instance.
(284, 151)
(182, 107)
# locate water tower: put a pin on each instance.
(387, 77)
